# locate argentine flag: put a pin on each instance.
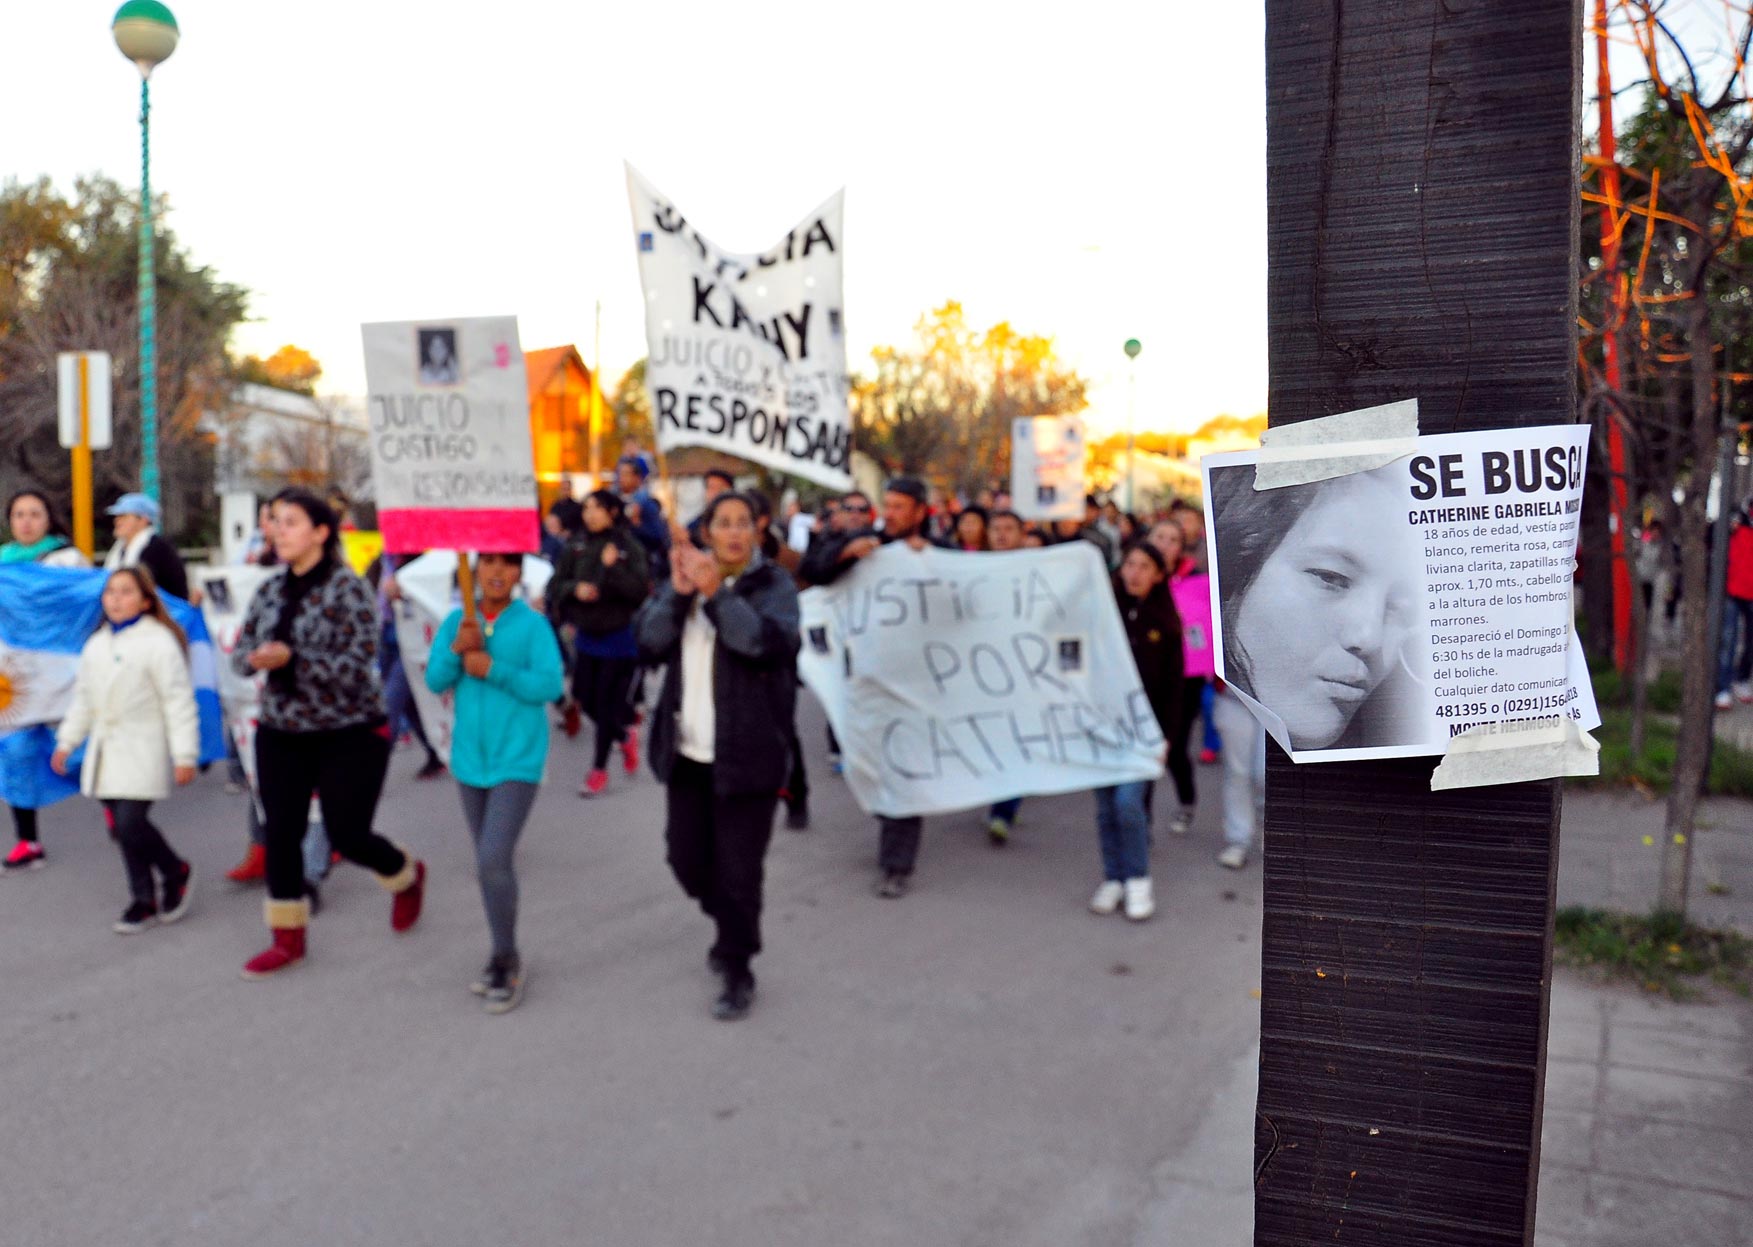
(46, 616)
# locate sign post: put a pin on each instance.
(1422, 232)
(84, 423)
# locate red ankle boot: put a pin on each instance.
(405, 906)
(286, 922)
(253, 868)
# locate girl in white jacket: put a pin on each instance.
(136, 704)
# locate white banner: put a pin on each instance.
(954, 679)
(1383, 613)
(1046, 467)
(429, 594)
(450, 435)
(746, 353)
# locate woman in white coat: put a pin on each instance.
(134, 706)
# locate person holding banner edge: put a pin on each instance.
(37, 537)
(324, 729)
(906, 507)
(725, 624)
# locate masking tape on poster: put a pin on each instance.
(1332, 446)
(1508, 753)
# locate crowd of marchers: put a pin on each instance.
(704, 613)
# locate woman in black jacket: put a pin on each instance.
(600, 581)
(727, 626)
(1141, 588)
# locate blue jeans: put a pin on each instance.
(1123, 829)
(1737, 626)
(1207, 697)
(1005, 809)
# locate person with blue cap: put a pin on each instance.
(140, 544)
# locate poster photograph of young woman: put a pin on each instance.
(1321, 616)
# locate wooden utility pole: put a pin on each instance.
(1423, 224)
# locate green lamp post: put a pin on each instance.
(147, 34)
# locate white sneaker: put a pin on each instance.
(1235, 856)
(1107, 898)
(1743, 692)
(1724, 701)
(1139, 904)
(1182, 822)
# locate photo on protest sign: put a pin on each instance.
(746, 352)
(956, 679)
(1381, 613)
(1047, 467)
(451, 456)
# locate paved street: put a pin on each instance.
(981, 1063)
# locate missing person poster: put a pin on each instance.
(450, 435)
(1046, 467)
(746, 353)
(1384, 613)
(956, 679)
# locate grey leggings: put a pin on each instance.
(496, 817)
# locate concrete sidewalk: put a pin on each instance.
(1649, 1102)
(1649, 1121)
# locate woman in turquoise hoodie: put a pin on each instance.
(505, 668)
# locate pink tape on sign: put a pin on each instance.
(507, 531)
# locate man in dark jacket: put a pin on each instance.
(905, 511)
(140, 544)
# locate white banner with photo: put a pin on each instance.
(451, 455)
(954, 679)
(225, 600)
(1385, 613)
(746, 353)
(1047, 467)
(428, 595)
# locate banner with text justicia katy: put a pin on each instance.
(746, 353)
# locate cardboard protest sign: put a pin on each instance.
(1046, 467)
(747, 353)
(429, 594)
(1383, 613)
(955, 679)
(450, 435)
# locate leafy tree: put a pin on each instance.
(68, 282)
(289, 368)
(1679, 308)
(942, 406)
(626, 413)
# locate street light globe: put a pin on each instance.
(146, 32)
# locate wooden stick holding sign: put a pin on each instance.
(466, 585)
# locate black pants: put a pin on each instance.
(898, 843)
(599, 686)
(143, 847)
(717, 849)
(24, 822)
(344, 769)
(1180, 735)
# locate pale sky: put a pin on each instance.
(1091, 172)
